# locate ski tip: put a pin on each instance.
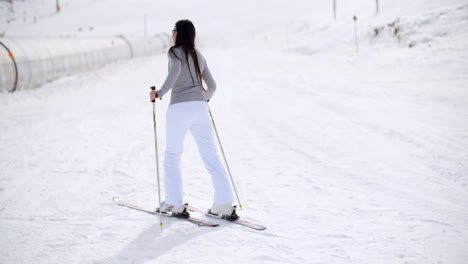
(116, 199)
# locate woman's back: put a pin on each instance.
(183, 80)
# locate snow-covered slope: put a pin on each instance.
(346, 159)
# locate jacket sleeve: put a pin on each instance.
(210, 82)
(175, 66)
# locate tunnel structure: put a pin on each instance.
(31, 62)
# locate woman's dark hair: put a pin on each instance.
(186, 39)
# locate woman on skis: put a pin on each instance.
(188, 111)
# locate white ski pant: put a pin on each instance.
(194, 117)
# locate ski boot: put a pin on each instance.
(176, 211)
(225, 211)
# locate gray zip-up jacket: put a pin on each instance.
(184, 89)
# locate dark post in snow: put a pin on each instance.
(145, 22)
(11, 6)
(355, 35)
(377, 6)
(58, 6)
(334, 9)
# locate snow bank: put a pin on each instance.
(433, 26)
(418, 24)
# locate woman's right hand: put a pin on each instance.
(153, 95)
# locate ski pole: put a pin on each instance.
(157, 160)
(225, 160)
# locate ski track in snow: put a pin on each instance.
(345, 159)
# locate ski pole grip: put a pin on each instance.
(153, 88)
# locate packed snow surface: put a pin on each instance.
(345, 158)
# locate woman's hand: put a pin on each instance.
(153, 95)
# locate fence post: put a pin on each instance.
(355, 35)
(334, 9)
